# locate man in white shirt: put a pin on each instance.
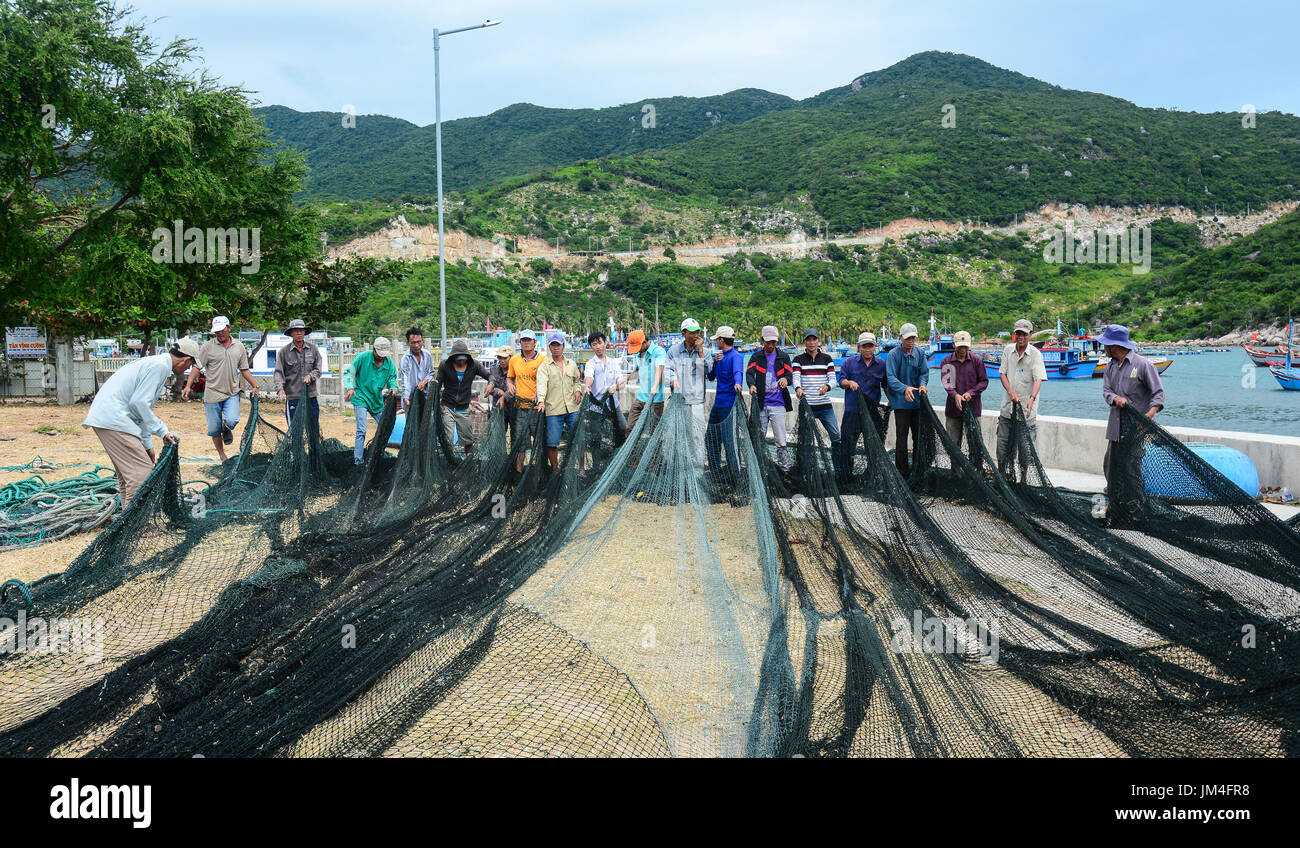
(122, 413)
(1022, 373)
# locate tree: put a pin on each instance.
(107, 140)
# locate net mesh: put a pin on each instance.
(663, 594)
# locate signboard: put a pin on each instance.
(25, 343)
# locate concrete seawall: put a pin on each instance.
(1079, 444)
(1068, 444)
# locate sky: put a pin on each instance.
(377, 56)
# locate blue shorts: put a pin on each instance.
(555, 425)
(223, 410)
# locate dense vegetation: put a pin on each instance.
(109, 138)
(383, 158)
(977, 281)
(850, 157)
(1254, 281)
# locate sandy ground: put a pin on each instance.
(66, 442)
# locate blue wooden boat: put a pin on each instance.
(1287, 376)
(1062, 363)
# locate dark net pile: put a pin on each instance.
(636, 602)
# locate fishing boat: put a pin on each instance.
(1062, 363)
(1161, 363)
(1288, 377)
(1266, 358)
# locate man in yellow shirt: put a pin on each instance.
(559, 393)
(521, 386)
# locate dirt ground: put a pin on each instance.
(65, 443)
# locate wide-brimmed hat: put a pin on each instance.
(1023, 325)
(771, 334)
(188, 347)
(297, 324)
(1116, 334)
(961, 339)
(382, 347)
(908, 332)
(866, 338)
(724, 332)
(459, 348)
(635, 341)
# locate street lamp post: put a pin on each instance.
(437, 132)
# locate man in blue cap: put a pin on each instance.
(559, 396)
(1129, 380)
(814, 374)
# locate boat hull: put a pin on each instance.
(1289, 380)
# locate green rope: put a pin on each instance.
(21, 586)
(40, 463)
(36, 510)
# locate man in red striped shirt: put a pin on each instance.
(814, 374)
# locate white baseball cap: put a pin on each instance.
(771, 334)
(221, 322)
(690, 324)
(724, 332)
(908, 332)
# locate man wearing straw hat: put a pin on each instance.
(297, 370)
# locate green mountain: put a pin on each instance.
(1254, 281)
(876, 149)
(385, 158)
(879, 150)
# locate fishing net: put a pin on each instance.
(650, 596)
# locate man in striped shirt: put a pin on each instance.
(814, 374)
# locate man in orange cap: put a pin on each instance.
(650, 359)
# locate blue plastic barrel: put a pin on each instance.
(399, 427)
(1163, 474)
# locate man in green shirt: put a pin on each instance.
(371, 376)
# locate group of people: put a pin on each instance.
(555, 387)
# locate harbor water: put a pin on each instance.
(1213, 391)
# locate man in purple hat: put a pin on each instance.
(1129, 380)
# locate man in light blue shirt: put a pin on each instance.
(416, 368)
(650, 384)
(122, 413)
(686, 371)
(907, 372)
